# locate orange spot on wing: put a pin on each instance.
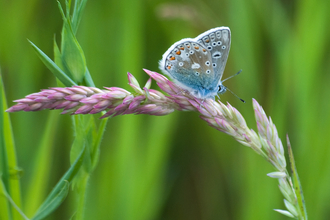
(172, 58)
(204, 50)
(178, 52)
(207, 40)
(168, 67)
(196, 48)
(181, 48)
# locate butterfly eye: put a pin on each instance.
(222, 89)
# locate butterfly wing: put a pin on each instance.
(217, 41)
(190, 64)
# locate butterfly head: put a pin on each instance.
(222, 89)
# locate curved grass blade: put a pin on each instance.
(64, 78)
(7, 196)
(54, 202)
(59, 193)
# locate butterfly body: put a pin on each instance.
(197, 64)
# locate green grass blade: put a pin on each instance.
(40, 173)
(296, 183)
(85, 132)
(5, 212)
(64, 78)
(88, 79)
(67, 6)
(79, 7)
(84, 126)
(58, 56)
(73, 57)
(98, 140)
(59, 193)
(7, 196)
(54, 202)
(9, 154)
(6, 209)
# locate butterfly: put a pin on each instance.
(197, 65)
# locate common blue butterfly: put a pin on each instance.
(197, 64)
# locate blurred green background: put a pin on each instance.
(175, 166)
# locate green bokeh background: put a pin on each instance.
(175, 166)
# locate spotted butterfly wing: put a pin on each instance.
(197, 64)
(189, 64)
(217, 41)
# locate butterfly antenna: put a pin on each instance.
(234, 93)
(232, 76)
